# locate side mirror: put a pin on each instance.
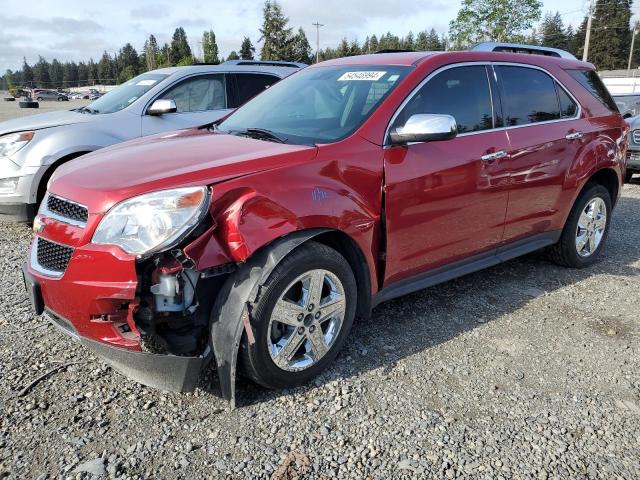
(162, 106)
(425, 127)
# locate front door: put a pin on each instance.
(200, 99)
(446, 200)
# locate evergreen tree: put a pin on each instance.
(434, 44)
(164, 59)
(276, 35)
(83, 74)
(233, 55)
(27, 73)
(210, 48)
(374, 44)
(180, 50)
(343, 50)
(70, 74)
(300, 48)
(56, 74)
(610, 34)
(41, 73)
(127, 63)
(247, 50)
(151, 53)
(408, 43)
(552, 32)
(577, 44)
(106, 70)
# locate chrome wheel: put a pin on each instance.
(306, 320)
(591, 227)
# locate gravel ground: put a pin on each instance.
(9, 110)
(526, 370)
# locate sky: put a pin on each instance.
(82, 29)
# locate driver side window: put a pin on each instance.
(198, 94)
(462, 92)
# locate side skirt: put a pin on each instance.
(466, 266)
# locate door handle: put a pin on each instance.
(574, 136)
(490, 157)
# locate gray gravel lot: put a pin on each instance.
(9, 110)
(525, 370)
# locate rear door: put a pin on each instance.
(446, 200)
(545, 134)
(200, 99)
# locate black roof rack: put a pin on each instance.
(522, 48)
(393, 50)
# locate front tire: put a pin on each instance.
(586, 229)
(301, 319)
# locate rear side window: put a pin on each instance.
(462, 92)
(528, 96)
(198, 94)
(568, 107)
(590, 80)
(251, 84)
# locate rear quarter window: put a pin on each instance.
(590, 80)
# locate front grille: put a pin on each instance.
(636, 136)
(52, 256)
(67, 209)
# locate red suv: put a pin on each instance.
(257, 240)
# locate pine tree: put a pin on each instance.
(106, 71)
(610, 34)
(92, 72)
(83, 74)
(247, 50)
(70, 74)
(27, 73)
(577, 43)
(343, 49)
(151, 53)
(180, 49)
(164, 56)
(300, 48)
(233, 55)
(276, 35)
(552, 31)
(56, 74)
(41, 73)
(210, 48)
(434, 44)
(127, 63)
(408, 42)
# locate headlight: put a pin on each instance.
(8, 185)
(154, 221)
(10, 144)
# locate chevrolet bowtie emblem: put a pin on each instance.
(38, 226)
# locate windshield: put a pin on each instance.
(124, 95)
(316, 105)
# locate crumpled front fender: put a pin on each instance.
(230, 314)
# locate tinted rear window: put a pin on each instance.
(590, 80)
(528, 96)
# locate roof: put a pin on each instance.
(413, 58)
(280, 71)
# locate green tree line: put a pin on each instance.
(476, 21)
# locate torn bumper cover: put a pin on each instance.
(162, 371)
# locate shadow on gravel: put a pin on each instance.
(419, 321)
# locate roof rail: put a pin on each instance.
(267, 63)
(522, 48)
(393, 50)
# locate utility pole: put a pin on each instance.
(317, 25)
(633, 40)
(585, 52)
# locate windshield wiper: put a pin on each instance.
(264, 134)
(92, 111)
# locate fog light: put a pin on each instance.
(8, 185)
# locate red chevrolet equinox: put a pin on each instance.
(257, 240)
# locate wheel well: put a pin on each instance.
(608, 178)
(345, 245)
(42, 186)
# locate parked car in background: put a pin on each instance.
(633, 149)
(94, 95)
(78, 96)
(44, 95)
(258, 240)
(31, 148)
(629, 105)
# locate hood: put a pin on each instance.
(45, 120)
(184, 158)
(633, 122)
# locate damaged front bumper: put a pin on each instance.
(163, 371)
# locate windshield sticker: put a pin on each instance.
(146, 83)
(366, 76)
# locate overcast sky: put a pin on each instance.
(77, 29)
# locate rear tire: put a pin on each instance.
(292, 351)
(585, 231)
